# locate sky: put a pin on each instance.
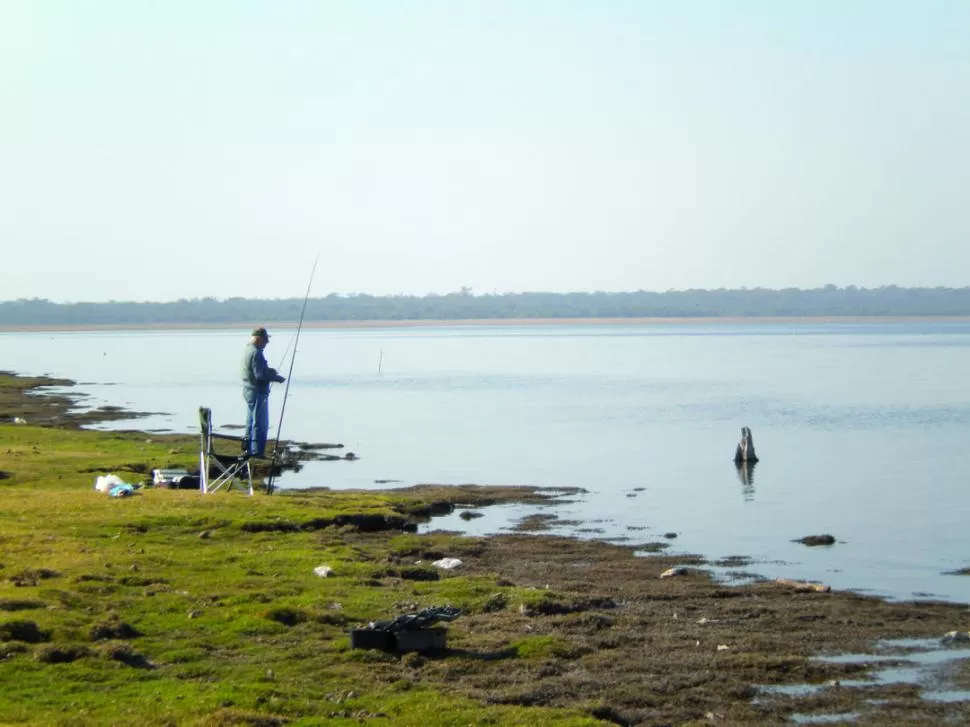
(181, 149)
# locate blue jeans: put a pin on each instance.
(257, 421)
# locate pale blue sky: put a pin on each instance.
(158, 150)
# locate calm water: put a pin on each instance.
(863, 429)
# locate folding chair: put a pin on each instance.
(221, 470)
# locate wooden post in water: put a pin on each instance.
(745, 449)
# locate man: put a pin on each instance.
(257, 376)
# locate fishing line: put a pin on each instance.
(286, 352)
(289, 378)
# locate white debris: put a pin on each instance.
(670, 572)
(723, 647)
(105, 482)
(447, 563)
(323, 570)
(19, 420)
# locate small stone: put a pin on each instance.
(804, 586)
(956, 637)
(447, 563)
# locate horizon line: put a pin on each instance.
(467, 292)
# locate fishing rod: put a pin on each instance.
(289, 378)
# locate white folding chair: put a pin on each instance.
(221, 470)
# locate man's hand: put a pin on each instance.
(274, 375)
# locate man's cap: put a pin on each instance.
(260, 333)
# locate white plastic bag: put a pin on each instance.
(106, 482)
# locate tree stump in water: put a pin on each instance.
(745, 449)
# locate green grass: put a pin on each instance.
(169, 607)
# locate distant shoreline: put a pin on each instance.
(484, 322)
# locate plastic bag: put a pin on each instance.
(106, 482)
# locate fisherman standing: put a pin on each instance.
(257, 376)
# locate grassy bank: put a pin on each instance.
(173, 608)
(168, 607)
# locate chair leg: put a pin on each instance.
(203, 473)
(238, 475)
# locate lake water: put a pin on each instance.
(863, 429)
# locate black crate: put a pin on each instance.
(421, 639)
(408, 640)
(372, 639)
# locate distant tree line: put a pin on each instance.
(756, 302)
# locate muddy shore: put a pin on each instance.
(673, 650)
(631, 647)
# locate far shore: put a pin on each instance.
(438, 323)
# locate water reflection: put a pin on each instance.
(746, 476)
